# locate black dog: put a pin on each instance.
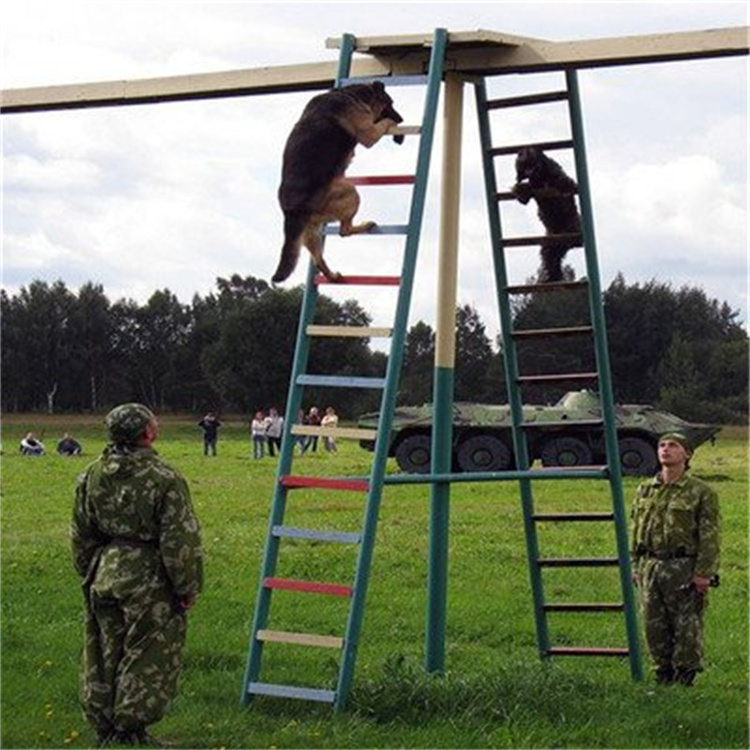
(544, 180)
(313, 187)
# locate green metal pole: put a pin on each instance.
(605, 378)
(445, 355)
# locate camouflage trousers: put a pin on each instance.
(132, 657)
(672, 613)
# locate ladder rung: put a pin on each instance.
(577, 562)
(307, 587)
(333, 229)
(299, 639)
(396, 179)
(405, 130)
(346, 433)
(348, 331)
(584, 651)
(540, 239)
(294, 482)
(360, 280)
(337, 381)
(291, 691)
(552, 332)
(550, 286)
(523, 101)
(563, 423)
(315, 535)
(604, 516)
(413, 80)
(542, 146)
(562, 377)
(592, 607)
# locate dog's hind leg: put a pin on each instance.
(313, 241)
(343, 204)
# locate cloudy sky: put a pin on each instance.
(175, 195)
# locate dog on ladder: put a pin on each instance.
(544, 180)
(320, 147)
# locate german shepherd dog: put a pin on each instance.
(544, 180)
(320, 147)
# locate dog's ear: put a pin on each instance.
(378, 87)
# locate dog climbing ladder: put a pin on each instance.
(288, 483)
(516, 381)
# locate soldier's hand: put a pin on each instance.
(701, 584)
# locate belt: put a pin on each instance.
(121, 541)
(663, 555)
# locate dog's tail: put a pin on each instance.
(294, 223)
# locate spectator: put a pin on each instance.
(258, 434)
(313, 419)
(31, 445)
(330, 420)
(69, 446)
(210, 426)
(274, 430)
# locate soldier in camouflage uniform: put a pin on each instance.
(675, 532)
(136, 544)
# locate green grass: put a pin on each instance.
(495, 692)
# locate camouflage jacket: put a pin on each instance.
(680, 519)
(133, 496)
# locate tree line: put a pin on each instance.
(232, 350)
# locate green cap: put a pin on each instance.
(127, 422)
(678, 437)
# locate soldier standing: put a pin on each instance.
(136, 544)
(675, 533)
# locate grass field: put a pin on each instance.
(495, 693)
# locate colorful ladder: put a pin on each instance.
(370, 489)
(516, 380)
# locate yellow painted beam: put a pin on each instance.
(351, 331)
(347, 433)
(472, 53)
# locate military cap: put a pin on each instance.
(678, 437)
(127, 422)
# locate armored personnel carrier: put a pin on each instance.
(570, 433)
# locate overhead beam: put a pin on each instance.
(472, 53)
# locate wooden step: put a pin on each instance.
(349, 331)
(382, 179)
(315, 535)
(583, 607)
(353, 485)
(299, 639)
(333, 230)
(540, 239)
(359, 280)
(346, 433)
(558, 378)
(307, 587)
(586, 651)
(291, 691)
(338, 381)
(574, 517)
(542, 146)
(550, 286)
(534, 333)
(577, 562)
(524, 101)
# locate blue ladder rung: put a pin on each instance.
(333, 381)
(333, 229)
(290, 691)
(315, 535)
(416, 80)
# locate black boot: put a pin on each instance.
(685, 677)
(664, 675)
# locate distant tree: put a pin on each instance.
(418, 367)
(473, 357)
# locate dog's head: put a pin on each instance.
(529, 163)
(374, 96)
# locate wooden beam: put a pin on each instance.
(472, 53)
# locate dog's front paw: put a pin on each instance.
(369, 225)
(522, 191)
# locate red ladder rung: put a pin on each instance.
(309, 587)
(382, 179)
(356, 485)
(361, 280)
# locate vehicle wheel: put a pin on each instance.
(637, 457)
(483, 453)
(413, 454)
(566, 451)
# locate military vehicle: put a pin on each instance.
(570, 433)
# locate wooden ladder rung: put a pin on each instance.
(347, 433)
(360, 280)
(382, 179)
(299, 639)
(552, 332)
(523, 101)
(574, 517)
(583, 607)
(296, 482)
(307, 587)
(291, 691)
(558, 378)
(540, 239)
(337, 381)
(586, 651)
(550, 286)
(542, 146)
(315, 535)
(348, 331)
(577, 562)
